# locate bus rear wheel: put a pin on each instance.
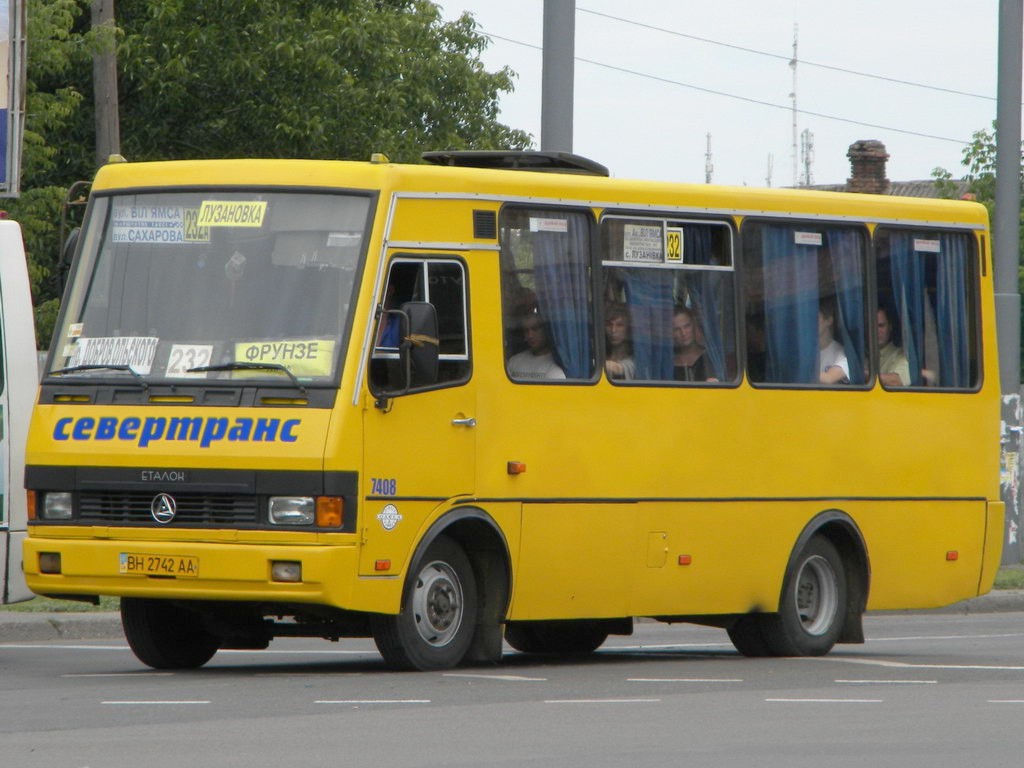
(439, 610)
(570, 638)
(163, 635)
(813, 605)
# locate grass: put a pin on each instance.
(1009, 577)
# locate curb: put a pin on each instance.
(19, 627)
(22, 627)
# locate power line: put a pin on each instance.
(739, 98)
(803, 62)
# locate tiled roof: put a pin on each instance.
(903, 188)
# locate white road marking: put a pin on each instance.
(1006, 701)
(155, 703)
(502, 678)
(825, 701)
(121, 674)
(913, 638)
(908, 665)
(684, 680)
(372, 701)
(889, 682)
(601, 701)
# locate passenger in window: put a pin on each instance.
(619, 363)
(893, 368)
(537, 361)
(688, 362)
(833, 367)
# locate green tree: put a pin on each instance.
(323, 79)
(979, 158)
(53, 141)
(246, 78)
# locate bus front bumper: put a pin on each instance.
(204, 570)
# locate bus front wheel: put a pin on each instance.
(438, 617)
(813, 605)
(163, 635)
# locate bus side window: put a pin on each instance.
(440, 282)
(928, 287)
(668, 286)
(806, 303)
(547, 302)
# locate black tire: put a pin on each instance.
(567, 638)
(439, 612)
(163, 635)
(747, 634)
(813, 604)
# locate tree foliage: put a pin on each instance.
(323, 79)
(979, 158)
(246, 78)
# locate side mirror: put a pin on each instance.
(417, 363)
(419, 347)
(67, 253)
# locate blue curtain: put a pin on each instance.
(649, 296)
(791, 307)
(908, 289)
(704, 289)
(951, 311)
(848, 275)
(561, 271)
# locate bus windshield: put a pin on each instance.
(214, 285)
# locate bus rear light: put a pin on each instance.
(330, 511)
(286, 571)
(49, 562)
(952, 556)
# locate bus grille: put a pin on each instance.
(134, 508)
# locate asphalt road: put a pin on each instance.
(925, 690)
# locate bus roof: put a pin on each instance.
(523, 185)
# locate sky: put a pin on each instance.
(918, 75)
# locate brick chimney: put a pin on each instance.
(867, 164)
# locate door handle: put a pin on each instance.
(468, 422)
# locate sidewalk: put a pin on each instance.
(34, 627)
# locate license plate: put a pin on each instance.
(178, 566)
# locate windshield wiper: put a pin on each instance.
(251, 367)
(123, 368)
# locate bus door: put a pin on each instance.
(419, 447)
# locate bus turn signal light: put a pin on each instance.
(685, 559)
(516, 467)
(330, 511)
(952, 556)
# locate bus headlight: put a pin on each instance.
(292, 510)
(56, 506)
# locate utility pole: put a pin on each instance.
(709, 167)
(104, 78)
(794, 152)
(556, 105)
(1006, 245)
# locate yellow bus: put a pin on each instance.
(502, 395)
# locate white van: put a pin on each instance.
(18, 381)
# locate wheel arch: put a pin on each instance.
(844, 534)
(484, 543)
